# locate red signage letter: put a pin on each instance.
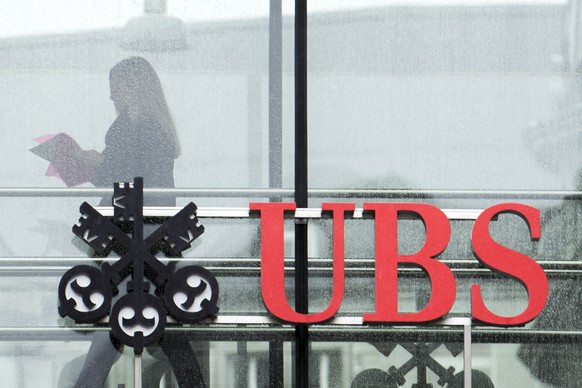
(438, 233)
(272, 261)
(515, 264)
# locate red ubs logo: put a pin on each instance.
(493, 255)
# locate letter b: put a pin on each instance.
(443, 285)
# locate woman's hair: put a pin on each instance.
(137, 80)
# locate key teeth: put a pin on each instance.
(210, 308)
(65, 308)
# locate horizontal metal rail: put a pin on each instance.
(405, 273)
(252, 266)
(289, 193)
(329, 333)
(244, 212)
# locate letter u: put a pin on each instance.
(273, 266)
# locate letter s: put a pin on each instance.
(515, 264)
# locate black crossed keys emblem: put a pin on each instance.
(139, 317)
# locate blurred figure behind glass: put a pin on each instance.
(141, 142)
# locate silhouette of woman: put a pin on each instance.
(142, 141)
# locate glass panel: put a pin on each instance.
(62, 362)
(502, 364)
(38, 362)
(440, 95)
(55, 77)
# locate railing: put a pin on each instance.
(313, 193)
(453, 329)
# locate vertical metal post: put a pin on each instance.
(241, 371)
(275, 94)
(301, 181)
(276, 364)
(301, 196)
(275, 149)
(138, 265)
(137, 371)
(421, 353)
(467, 354)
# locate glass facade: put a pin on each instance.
(461, 104)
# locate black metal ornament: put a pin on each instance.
(77, 299)
(422, 360)
(139, 317)
(194, 307)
